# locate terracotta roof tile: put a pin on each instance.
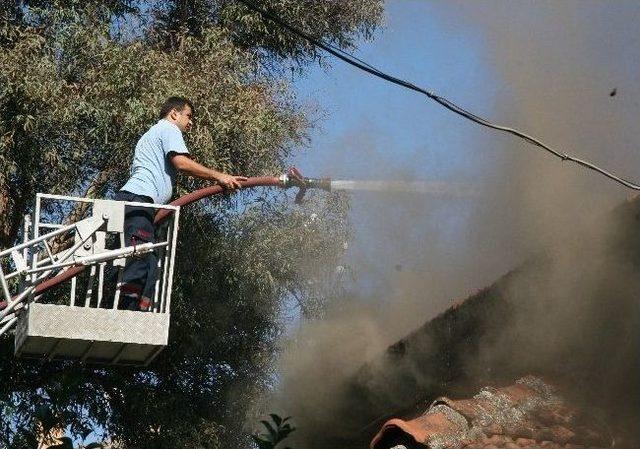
(528, 414)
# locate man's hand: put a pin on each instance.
(230, 182)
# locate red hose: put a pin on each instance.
(259, 181)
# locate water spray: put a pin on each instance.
(293, 178)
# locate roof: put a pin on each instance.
(527, 414)
(582, 337)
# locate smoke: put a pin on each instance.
(571, 68)
(566, 72)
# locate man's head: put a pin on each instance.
(178, 110)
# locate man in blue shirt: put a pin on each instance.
(159, 155)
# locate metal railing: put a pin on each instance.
(51, 245)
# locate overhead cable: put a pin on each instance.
(362, 65)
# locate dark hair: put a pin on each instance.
(177, 103)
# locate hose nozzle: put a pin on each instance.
(293, 178)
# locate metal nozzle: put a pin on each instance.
(293, 178)
(318, 183)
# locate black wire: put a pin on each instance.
(362, 65)
(352, 56)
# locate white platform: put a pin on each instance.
(53, 332)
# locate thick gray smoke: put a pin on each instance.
(566, 72)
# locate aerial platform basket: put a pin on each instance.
(81, 320)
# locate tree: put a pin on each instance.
(79, 82)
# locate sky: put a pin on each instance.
(474, 54)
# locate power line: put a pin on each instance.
(362, 65)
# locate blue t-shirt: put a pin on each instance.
(152, 173)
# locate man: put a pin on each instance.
(159, 155)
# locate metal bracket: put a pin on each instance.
(112, 211)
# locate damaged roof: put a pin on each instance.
(527, 414)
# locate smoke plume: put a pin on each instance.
(566, 72)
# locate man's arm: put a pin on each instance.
(187, 165)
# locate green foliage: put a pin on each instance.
(341, 23)
(276, 432)
(80, 81)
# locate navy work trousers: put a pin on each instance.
(140, 273)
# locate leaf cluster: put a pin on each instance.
(276, 432)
